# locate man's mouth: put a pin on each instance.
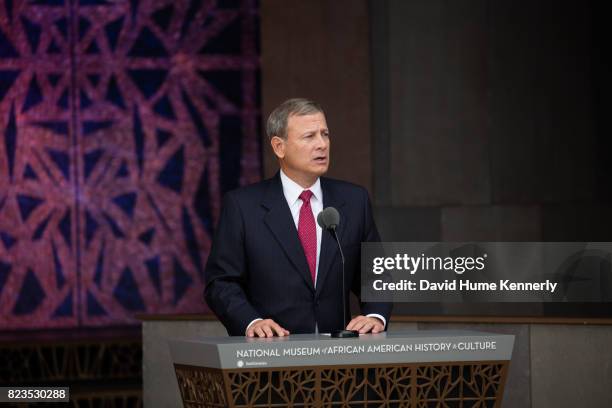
(320, 159)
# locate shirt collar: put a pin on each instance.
(292, 190)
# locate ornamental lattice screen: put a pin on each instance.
(122, 123)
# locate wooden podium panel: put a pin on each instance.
(419, 384)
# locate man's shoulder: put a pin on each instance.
(343, 187)
(250, 192)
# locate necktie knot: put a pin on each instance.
(305, 196)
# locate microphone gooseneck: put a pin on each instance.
(333, 231)
(329, 219)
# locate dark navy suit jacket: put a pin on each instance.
(257, 267)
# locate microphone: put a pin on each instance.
(329, 219)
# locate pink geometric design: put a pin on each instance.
(123, 123)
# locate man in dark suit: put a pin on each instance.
(272, 270)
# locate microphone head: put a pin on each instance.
(329, 218)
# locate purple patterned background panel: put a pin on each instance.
(122, 123)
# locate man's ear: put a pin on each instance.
(278, 146)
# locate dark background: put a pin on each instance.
(487, 119)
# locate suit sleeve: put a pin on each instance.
(370, 234)
(226, 272)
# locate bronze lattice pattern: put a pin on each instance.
(388, 385)
(102, 368)
(54, 362)
(474, 385)
(198, 385)
(466, 385)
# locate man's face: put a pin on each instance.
(304, 153)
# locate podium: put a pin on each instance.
(404, 369)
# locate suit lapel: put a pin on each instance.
(280, 221)
(329, 247)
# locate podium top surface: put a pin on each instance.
(320, 349)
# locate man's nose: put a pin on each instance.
(321, 141)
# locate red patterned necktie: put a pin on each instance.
(307, 231)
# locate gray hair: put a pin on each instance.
(277, 121)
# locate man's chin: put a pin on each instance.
(319, 171)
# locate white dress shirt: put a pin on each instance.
(292, 191)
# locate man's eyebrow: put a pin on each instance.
(324, 130)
